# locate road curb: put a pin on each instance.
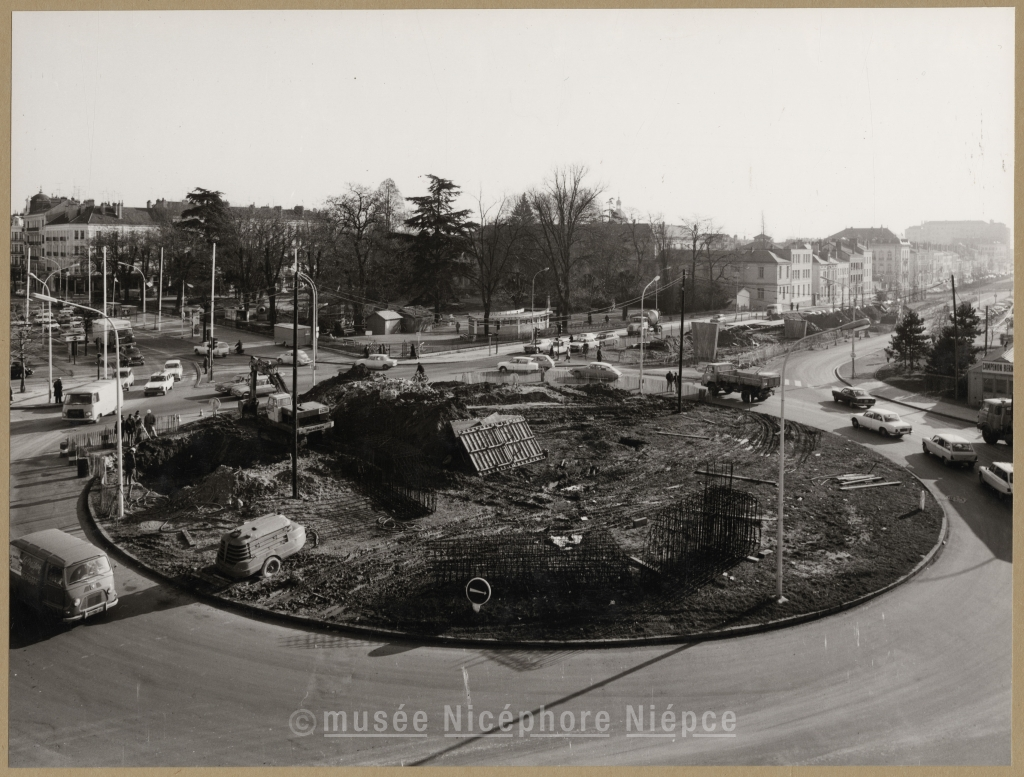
(366, 632)
(905, 404)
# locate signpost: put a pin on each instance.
(478, 591)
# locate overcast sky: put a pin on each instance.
(817, 119)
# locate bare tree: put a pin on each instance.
(356, 225)
(708, 259)
(493, 243)
(564, 207)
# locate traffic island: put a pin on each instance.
(636, 524)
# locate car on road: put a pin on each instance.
(286, 358)
(127, 377)
(576, 344)
(16, 371)
(159, 383)
(998, 477)
(545, 361)
(519, 364)
(952, 449)
(597, 371)
(607, 339)
(263, 388)
(853, 396)
(378, 361)
(225, 386)
(546, 345)
(885, 422)
(173, 366)
(131, 356)
(220, 349)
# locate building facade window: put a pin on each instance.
(760, 272)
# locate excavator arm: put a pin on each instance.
(258, 366)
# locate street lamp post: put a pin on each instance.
(315, 315)
(782, 450)
(160, 295)
(642, 293)
(117, 394)
(295, 381)
(533, 319)
(49, 337)
(213, 289)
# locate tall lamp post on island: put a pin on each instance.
(533, 315)
(782, 445)
(49, 336)
(117, 412)
(315, 315)
(642, 328)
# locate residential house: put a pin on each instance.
(766, 275)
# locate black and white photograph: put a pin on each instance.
(511, 387)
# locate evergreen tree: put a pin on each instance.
(910, 342)
(959, 342)
(441, 235)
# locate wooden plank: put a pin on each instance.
(677, 434)
(871, 485)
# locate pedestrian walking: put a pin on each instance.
(128, 464)
(366, 351)
(150, 423)
(458, 326)
(124, 430)
(606, 319)
(586, 349)
(137, 427)
(58, 391)
(206, 364)
(567, 350)
(599, 354)
(551, 351)
(668, 379)
(412, 351)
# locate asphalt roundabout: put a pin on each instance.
(620, 472)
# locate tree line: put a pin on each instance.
(368, 247)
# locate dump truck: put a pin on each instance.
(647, 319)
(752, 385)
(995, 419)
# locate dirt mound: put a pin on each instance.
(181, 459)
(326, 391)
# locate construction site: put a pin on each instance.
(592, 513)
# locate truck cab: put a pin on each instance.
(312, 416)
(995, 420)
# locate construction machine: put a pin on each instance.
(277, 414)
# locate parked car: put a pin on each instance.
(286, 358)
(545, 361)
(377, 361)
(159, 383)
(263, 388)
(998, 477)
(544, 346)
(16, 371)
(597, 371)
(519, 364)
(608, 339)
(173, 366)
(225, 386)
(220, 350)
(952, 449)
(853, 396)
(885, 422)
(127, 377)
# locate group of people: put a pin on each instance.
(381, 348)
(135, 429)
(672, 378)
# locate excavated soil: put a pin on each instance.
(612, 457)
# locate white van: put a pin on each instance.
(88, 403)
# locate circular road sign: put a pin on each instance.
(478, 591)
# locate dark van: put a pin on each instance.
(61, 576)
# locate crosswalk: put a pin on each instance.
(796, 383)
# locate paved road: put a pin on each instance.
(921, 675)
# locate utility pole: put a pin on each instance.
(160, 295)
(213, 290)
(986, 330)
(106, 334)
(295, 380)
(682, 323)
(956, 345)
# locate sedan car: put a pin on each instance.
(159, 383)
(131, 356)
(286, 358)
(127, 377)
(998, 477)
(376, 361)
(951, 448)
(519, 364)
(607, 339)
(224, 387)
(886, 423)
(220, 349)
(576, 344)
(551, 346)
(545, 361)
(597, 371)
(173, 366)
(853, 396)
(263, 388)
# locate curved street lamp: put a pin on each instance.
(117, 412)
(642, 293)
(49, 336)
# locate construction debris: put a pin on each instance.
(497, 442)
(871, 485)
